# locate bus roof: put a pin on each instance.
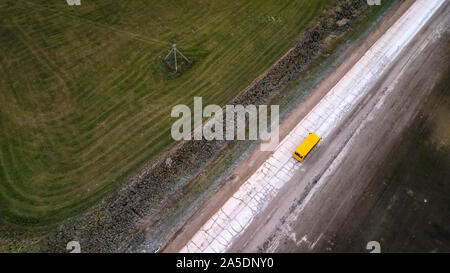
(307, 144)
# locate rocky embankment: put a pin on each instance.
(111, 225)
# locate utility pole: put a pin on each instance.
(175, 50)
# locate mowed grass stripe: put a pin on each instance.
(65, 150)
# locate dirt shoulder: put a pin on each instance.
(255, 159)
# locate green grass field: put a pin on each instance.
(85, 100)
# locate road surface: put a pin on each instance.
(266, 208)
(330, 216)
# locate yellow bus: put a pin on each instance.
(306, 146)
